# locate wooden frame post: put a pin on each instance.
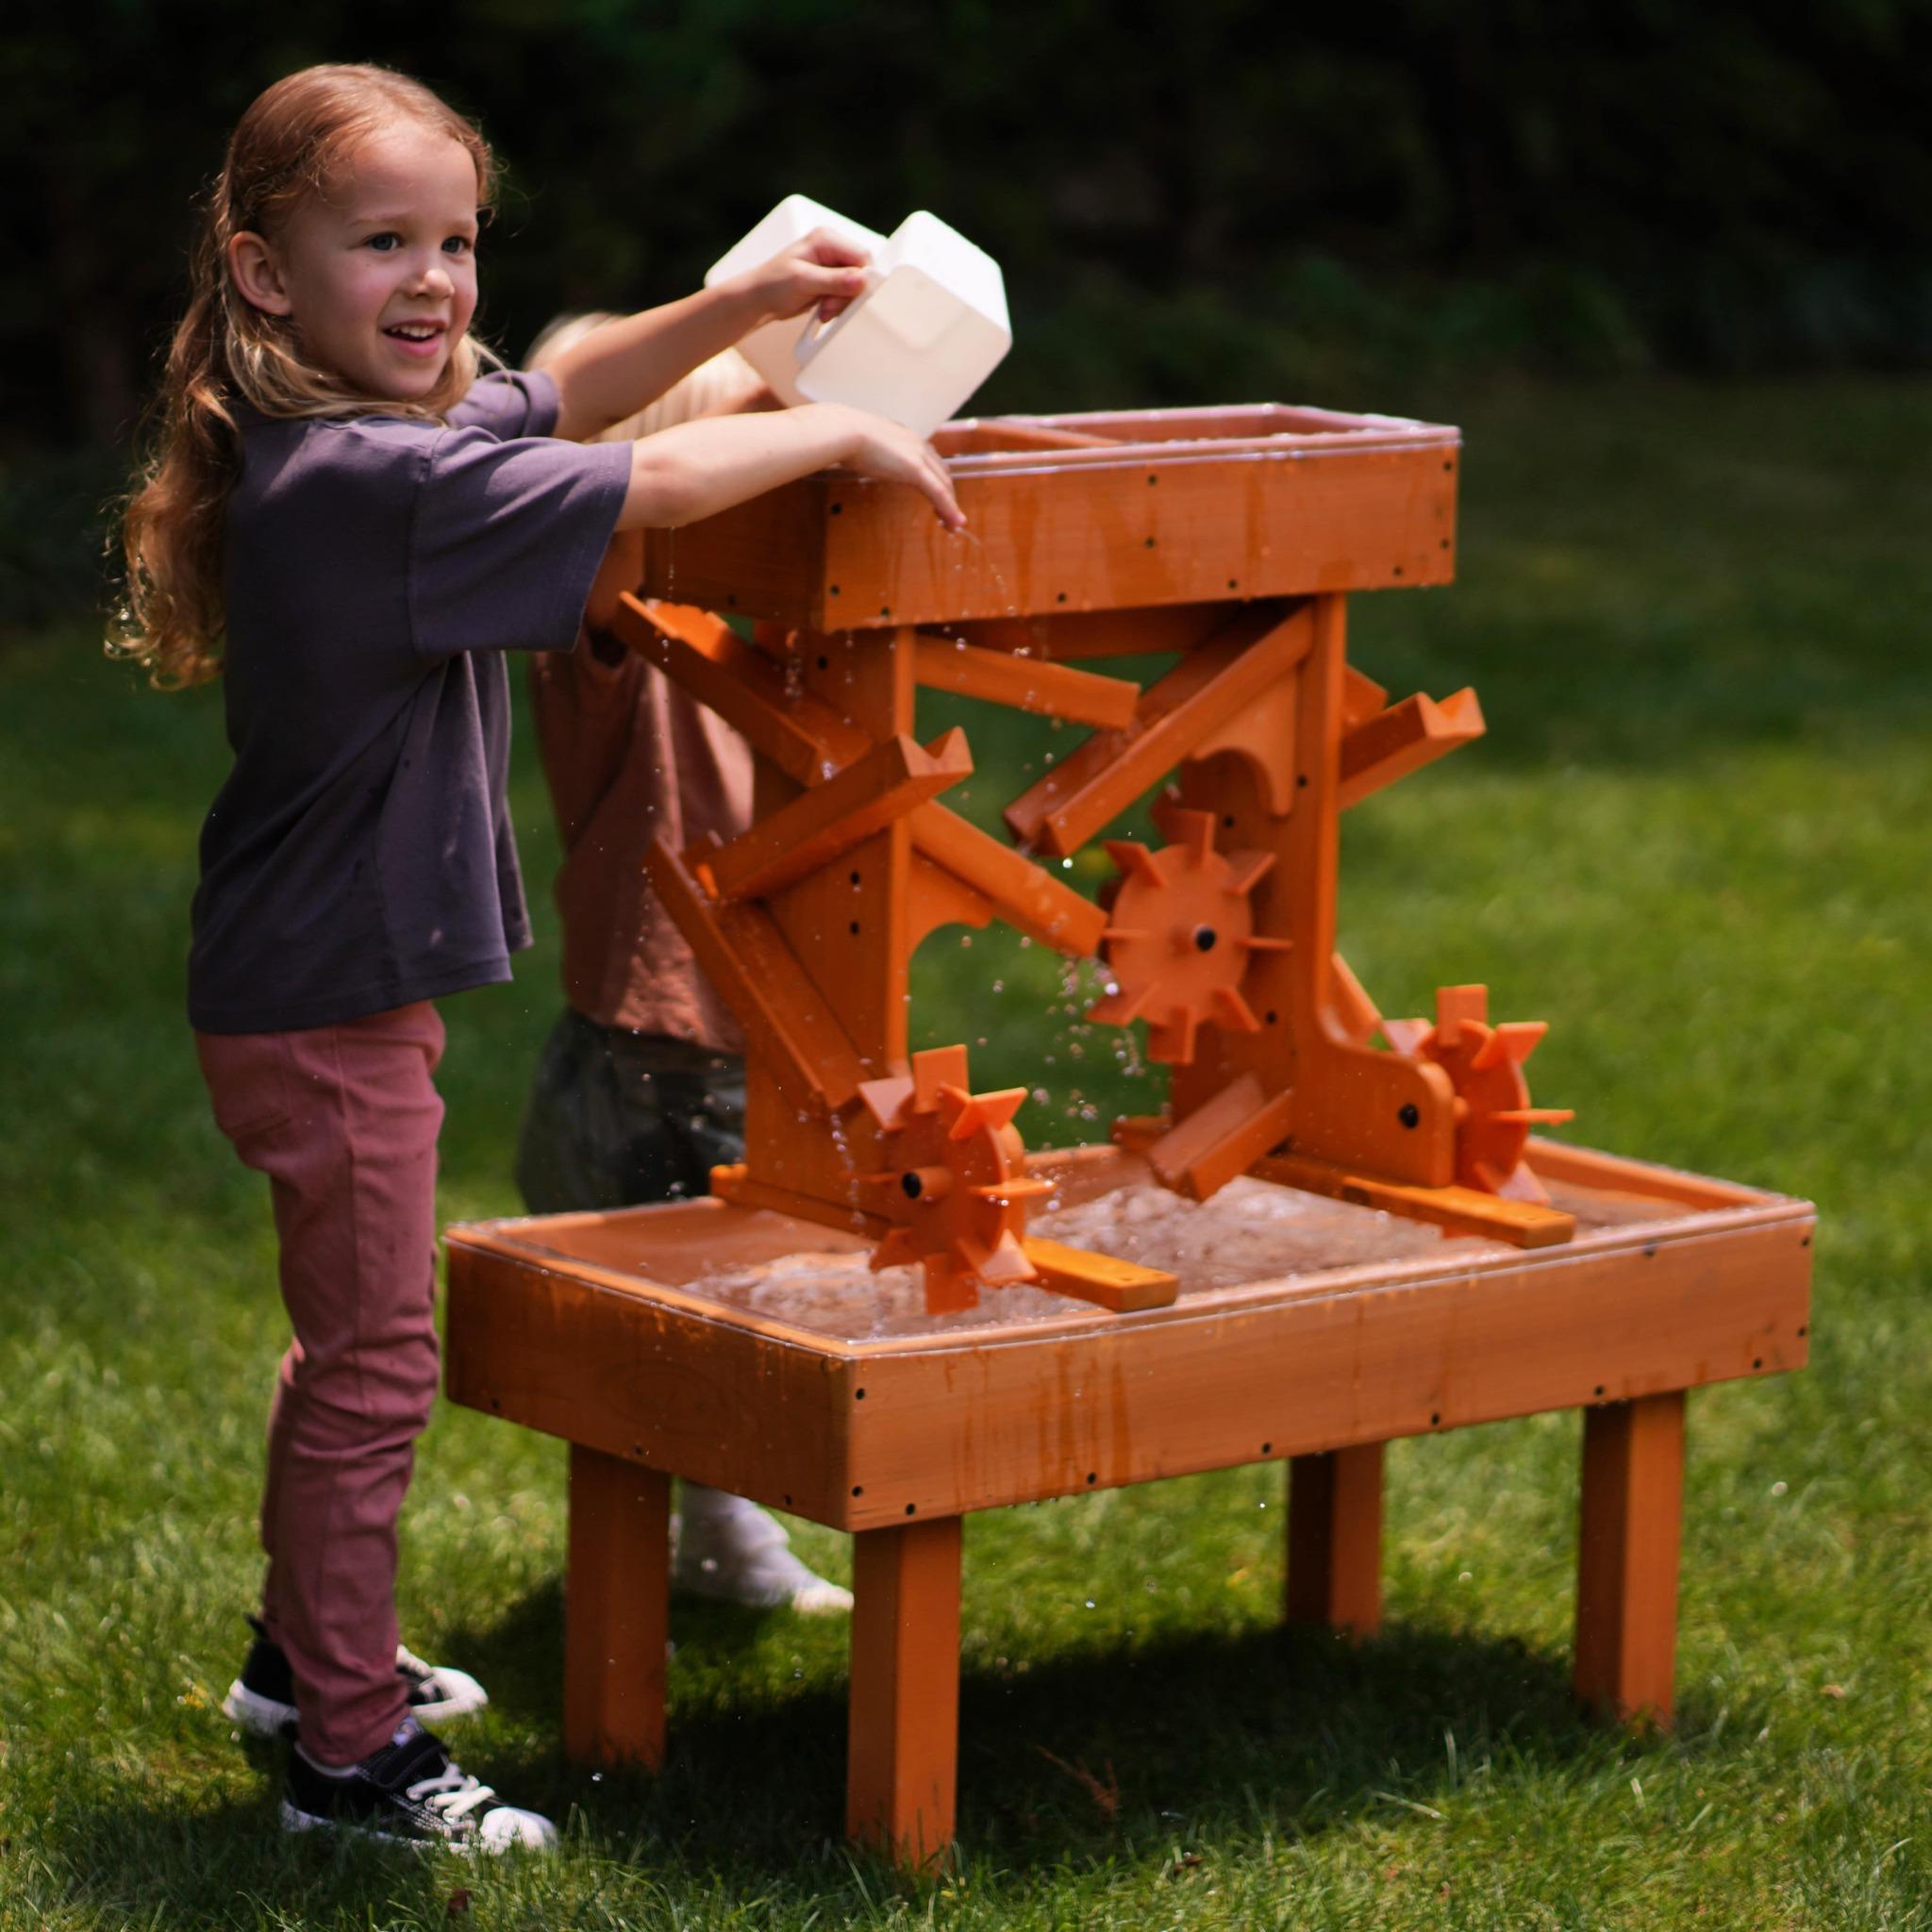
(1335, 1539)
(617, 1610)
(902, 1749)
(1626, 1566)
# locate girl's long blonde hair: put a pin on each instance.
(285, 148)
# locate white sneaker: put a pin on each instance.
(730, 1550)
(263, 1698)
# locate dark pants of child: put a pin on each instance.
(342, 1120)
(616, 1119)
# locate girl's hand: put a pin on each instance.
(821, 270)
(883, 449)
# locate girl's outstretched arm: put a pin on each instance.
(696, 469)
(614, 371)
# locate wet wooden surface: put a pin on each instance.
(1137, 510)
(754, 1353)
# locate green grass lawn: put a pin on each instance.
(1697, 840)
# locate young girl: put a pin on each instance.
(350, 526)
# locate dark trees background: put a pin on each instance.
(1200, 200)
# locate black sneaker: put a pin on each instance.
(263, 1698)
(411, 1792)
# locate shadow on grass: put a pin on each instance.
(1096, 1756)
(1085, 1752)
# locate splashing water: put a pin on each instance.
(1009, 603)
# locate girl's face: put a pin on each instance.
(380, 275)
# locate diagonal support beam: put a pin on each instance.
(1033, 901)
(786, 1022)
(1027, 684)
(1392, 744)
(1097, 782)
(802, 735)
(1223, 1137)
(868, 795)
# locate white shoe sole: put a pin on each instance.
(814, 1597)
(266, 1718)
(256, 1713)
(295, 1819)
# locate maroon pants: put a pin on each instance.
(344, 1121)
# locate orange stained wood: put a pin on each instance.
(976, 436)
(563, 1325)
(805, 738)
(1263, 735)
(1460, 1211)
(845, 922)
(954, 1182)
(737, 1184)
(1223, 1137)
(1180, 935)
(1101, 1279)
(817, 825)
(790, 1024)
(1354, 1011)
(1361, 698)
(617, 1611)
(1403, 739)
(1559, 1162)
(1335, 1539)
(1354, 1107)
(603, 1328)
(1626, 1566)
(937, 897)
(1068, 635)
(1027, 684)
(1025, 896)
(1257, 501)
(902, 1746)
(1098, 781)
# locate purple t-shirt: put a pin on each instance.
(359, 855)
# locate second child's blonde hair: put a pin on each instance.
(288, 148)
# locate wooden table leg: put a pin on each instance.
(617, 1611)
(1626, 1568)
(902, 1747)
(1335, 1539)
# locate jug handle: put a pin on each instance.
(812, 338)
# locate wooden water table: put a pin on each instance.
(1342, 1230)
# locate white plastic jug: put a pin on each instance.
(771, 350)
(927, 332)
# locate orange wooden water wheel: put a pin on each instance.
(957, 1187)
(1180, 935)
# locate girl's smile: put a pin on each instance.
(380, 275)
